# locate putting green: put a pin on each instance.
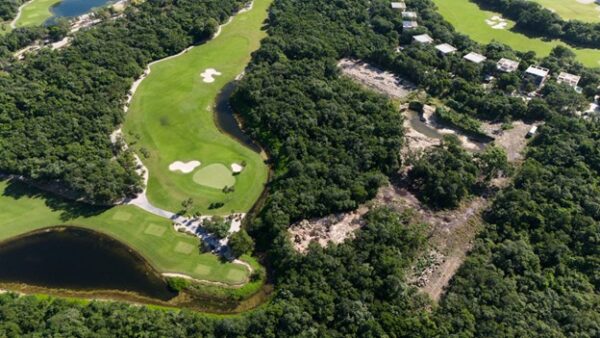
(215, 176)
(469, 19)
(172, 117)
(586, 11)
(24, 209)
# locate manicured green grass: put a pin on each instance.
(573, 9)
(171, 116)
(469, 19)
(36, 12)
(24, 209)
(215, 176)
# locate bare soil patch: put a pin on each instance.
(512, 140)
(377, 79)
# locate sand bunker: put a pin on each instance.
(208, 76)
(497, 22)
(236, 168)
(586, 2)
(184, 167)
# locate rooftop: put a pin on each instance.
(570, 79)
(445, 48)
(398, 5)
(475, 57)
(537, 71)
(409, 15)
(423, 38)
(507, 65)
(406, 24)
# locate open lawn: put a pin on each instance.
(171, 116)
(582, 10)
(24, 209)
(36, 12)
(469, 19)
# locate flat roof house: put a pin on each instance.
(409, 24)
(423, 38)
(570, 79)
(445, 48)
(474, 57)
(537, 74)
(399, 5)
(409, 15)
(507, 65)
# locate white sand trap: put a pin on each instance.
(208, 76)
(184, 167)
(236, 168)
(586, 2)
(496, 22)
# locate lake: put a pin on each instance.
(73, 8)
(78, 259)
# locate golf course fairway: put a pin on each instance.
(24, 209)
(469, 19)
(35, 13)
(171, 118)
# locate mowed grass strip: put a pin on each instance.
(36, 12)
(24, 209)
(586, 11)
(171, 116)
(469, 19)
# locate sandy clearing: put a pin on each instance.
(184, 167)
(208, 76)
(377, 79)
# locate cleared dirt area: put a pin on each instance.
(377, 79)
(333, 228)
(513, 140)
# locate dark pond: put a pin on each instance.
(73, 8)
(226, 119)
(78, 259)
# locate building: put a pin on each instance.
(445, 48)
(423, 38)
(538, 74)
(570, 79)
(507, 65)
(399, 5)
(475, 57)
(406, 24)
(409, 15)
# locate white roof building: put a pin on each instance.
(537, 71)
(570, 79)
(399, 5)
(539, 74)
(445, 48)
(423, 38)
(474, 57)
(507, 65)
(406, 24)
(409, 15)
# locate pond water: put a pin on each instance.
(73, 8)
(78, 259)
(226, 121)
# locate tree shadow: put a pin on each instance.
(68, 209)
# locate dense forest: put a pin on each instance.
(8, 9)
(58, 108)
(533, 18)
(534, 269)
